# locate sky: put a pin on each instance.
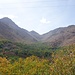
(41, 16)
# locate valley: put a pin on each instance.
(24, 52)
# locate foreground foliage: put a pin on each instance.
(62, 62)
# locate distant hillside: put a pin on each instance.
(60, 36)
(36, 35)
(10, 31)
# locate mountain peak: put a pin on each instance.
(33, 32)
(6, 19)
(9, 22)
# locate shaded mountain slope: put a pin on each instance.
(10, 31)
(59, 37)
(36, 35)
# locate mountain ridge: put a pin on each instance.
(13, 32)
(61, 36)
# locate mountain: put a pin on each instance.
(10, 31)
(61, 36)
(58, 37)
(36, 35)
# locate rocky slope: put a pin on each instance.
(10, 31)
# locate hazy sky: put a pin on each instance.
(39, 15)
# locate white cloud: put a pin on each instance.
(9, 16)
(44, 21)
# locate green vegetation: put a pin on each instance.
(38, 59)
(9, 49)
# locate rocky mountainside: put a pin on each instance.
(59, 37)
(10, 31)
(36, 35)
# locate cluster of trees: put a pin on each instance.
(13, 50)
(62, 62)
